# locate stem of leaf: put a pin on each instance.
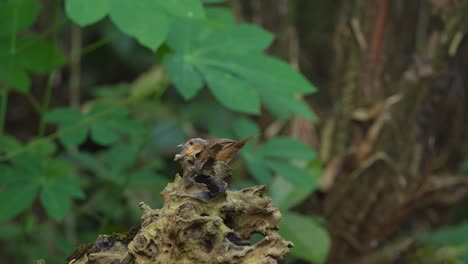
(48, 92)
(45, 104)
(3, 108)
(75, 69)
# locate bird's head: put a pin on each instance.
(193, 146)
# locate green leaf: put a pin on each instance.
(86, 12)
(244, 127)
(56, 196)
(450, 235)
(283, 104)
(17, 198)
(311, 241)
(184, 75)
(219, 17)
(282, 147)
(183, 35)
(89, 162)
(232, 92)
(268, 73)
(257, 167)
(8, 143)
(70, 133)
(42, 147)
(32, 54)
(142, 19)
(183, 8)
(39, 56)
(230, 60)
(18, 15)
(213, 1)
(122, 156)
(55, 201)
(12, 74)
(147, 178)
(295, 175)
(237, 38)
(285, 195)
(103, 133)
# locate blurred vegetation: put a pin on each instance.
(95, 96)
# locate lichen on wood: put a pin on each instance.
(201, 221)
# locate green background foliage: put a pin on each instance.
(86, 168)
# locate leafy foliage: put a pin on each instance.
(149, 27)
(73, 127)
(115, 145)
(18, 54)
(231, 62)
(311, 241)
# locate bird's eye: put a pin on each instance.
(191, 142)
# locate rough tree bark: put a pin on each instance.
(392, 111)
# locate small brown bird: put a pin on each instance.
(224, 149)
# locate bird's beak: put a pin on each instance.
(180, 145)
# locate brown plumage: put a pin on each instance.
(222, 149)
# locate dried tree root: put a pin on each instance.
(200, 222)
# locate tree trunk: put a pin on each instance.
(392, 109)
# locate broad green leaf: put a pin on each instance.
(56, 195)
(9, 176)
(146, 178)
(258, 168)
(284, 104)
(244, 127)
(285, 195)
(42, 147)
(219, 17)
(39, 56)
(89, 162)
(184, 34)
(17, 198)
(12, 74)
(213, 1)
(112, 122)
(234, 93)
(450, 235)
(71, 132)
(111, 91)
(58, 168)
(311, 241)
(17, 15)
(107, 111)
(55, 201)
(282, 147)
(103, 133)
(267, 72)
(122, 156)
(297, 176)
(30, 54)
(186, 78)
(183, 8)
(237, 38)
(86, 12)
(27, 166)
(142, 19)
(62, 115)
(72, 135)
(8, 143)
